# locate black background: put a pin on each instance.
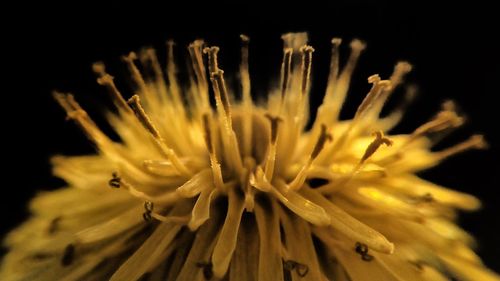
(52, 46)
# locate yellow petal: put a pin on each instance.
(350, 226)
(201, 209)
(303, 207)
(199, 182)
(226, 243)
(299, 245)
(270, 263)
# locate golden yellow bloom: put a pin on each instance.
(241, 191)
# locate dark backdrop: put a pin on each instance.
(52, 46)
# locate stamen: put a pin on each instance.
(300, 179)
(274, 121)
(62, 99)
(375, 144)
(271, 153)
(443, 120)
(195, 51)
(136, 74)
(306, 68)
(400, 70)
(220, 90)
(175, 91)
(334, 62)
(247, 98)
(334, 69)
(224, 109)
(74, 111)
(172, 71)
(135, 104)
(244, 50)
(106, 80)
(133, 190)
(397, 113)
(286, 69)
(343, 81)
(306, 63)
(249, 191)
(475, 141)
(149, 54)
(214, 162)
(68, 255)
(213, 65)
(207, 127)
(218, 83)
(324, 136)
(373, 96)
(183, 220)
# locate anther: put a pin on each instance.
(115, 181)
(300, 269)
(426, 198)
(68, 255)
(418, 264)
(206, 269)
(148, 207)
(54, 225)
(362, 250)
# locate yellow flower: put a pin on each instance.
(241, 190)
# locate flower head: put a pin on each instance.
(242, 190)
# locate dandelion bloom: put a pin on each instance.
(241, 190)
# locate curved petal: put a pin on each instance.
(226, 243)
(350, 226)
(303, 207)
